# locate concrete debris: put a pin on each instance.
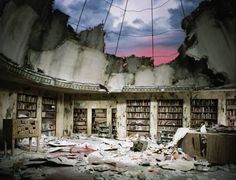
(63, 161)
(108, 156)
(35, 162)
(144, 164)
(76, 149)
(178, 164)
(102, 168)
(139, 146)
(202, 165)
(180, 133)
(61, 143)
(51, 150)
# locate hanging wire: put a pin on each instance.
(107, 14)
(117, 45)
(182, 6)
(131, 10)
(133, 35)
(152, 29)
(114, 5)
(80, 15)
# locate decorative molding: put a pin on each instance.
(9, 66)
(159, 89)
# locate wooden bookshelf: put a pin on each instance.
(80, 121)
(99, 121)
(26, 106)
(138, 117)
(170, 118)
(48, 116)
(203, 111)
(231, 112)
(114, 122)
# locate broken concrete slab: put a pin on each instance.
(63, 161)
(76, 149)
(61, 143)
(102, 168)
(178, 164)
(35, 162)
(180, 133)
(51, 150)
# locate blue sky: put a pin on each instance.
(137, 28)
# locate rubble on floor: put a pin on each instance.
(132, 158)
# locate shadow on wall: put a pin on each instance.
(197, 67)
(1, 140)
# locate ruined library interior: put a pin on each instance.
(117, 89)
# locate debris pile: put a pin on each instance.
(133, 157)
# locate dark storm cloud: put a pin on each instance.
(132, 37)
(176, 18)
(94, 12)
(138, 21)
(136, 32)
(177, 14)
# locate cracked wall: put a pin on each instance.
(7, 108)
(43, 42)
(211, 35)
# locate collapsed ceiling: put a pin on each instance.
(37, 38)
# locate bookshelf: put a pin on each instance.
(48, 116)
(231, 112)
(114, 121)
(99, 121)
(170, 118)
(203, 111)
(26, 106)
(138, 117)
(80, 121)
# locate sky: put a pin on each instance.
(136, 34)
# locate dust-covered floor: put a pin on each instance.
(83, 157)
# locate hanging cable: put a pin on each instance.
(80, 15)
(107, 14)
(131, 10)
(149, 9)
(121, 27)
(152, 29)
(182, 6)
(114, 5)
(133, 35)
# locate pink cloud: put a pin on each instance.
(163, 55)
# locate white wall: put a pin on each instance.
(72, 62)
(118, 80)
